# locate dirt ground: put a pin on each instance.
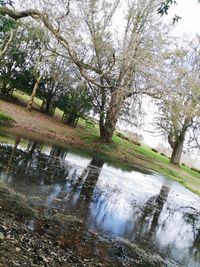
(37, 123)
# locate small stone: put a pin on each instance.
(17, 249)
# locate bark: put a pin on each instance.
(177, 150)
(4, 49)
(102, 111)
(112, 115)
(179, 141)
(101, 123)
(32, 97)
(47, 108)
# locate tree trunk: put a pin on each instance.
(101, 123)
(4, 49)
(32, 97)
(4, 89)
(47, 108)
(116, 102)
(177, 150)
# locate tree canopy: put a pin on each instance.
(82, 60)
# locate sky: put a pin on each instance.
(189, 10)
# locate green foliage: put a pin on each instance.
(165, 6)
(76, 102)
(6, 24)
(53, 85)
(19, 60)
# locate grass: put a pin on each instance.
(24, 98)
(121, 153)
(5, 119)
(6, 139)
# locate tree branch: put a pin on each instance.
(3, 51)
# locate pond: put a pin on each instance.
(137, 209)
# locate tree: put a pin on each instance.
(116, 69)
(76, 103)
(116, 65)
(38, 77)
(54, 84)
(41, 65)
(7, 27)
(18, 61)
(180, 105)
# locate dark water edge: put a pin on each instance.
(82, 151)
(97, 213)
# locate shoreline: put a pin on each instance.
(121, 153)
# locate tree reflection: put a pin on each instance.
(32, 165)
(90, 176)
(148, 220)
(59, 152)
(192, 216)
(12, 155)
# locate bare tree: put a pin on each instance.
(180, 105)
(116, 65)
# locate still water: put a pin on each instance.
(144, 208)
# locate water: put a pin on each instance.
(146, 209)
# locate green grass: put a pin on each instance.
(5, 120)
(4, 139)
(25, 98)
(58, 113)
(7, 139)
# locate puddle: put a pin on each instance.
(148, 210)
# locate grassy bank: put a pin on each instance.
(120, 153)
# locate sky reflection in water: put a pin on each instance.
(150, 210)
